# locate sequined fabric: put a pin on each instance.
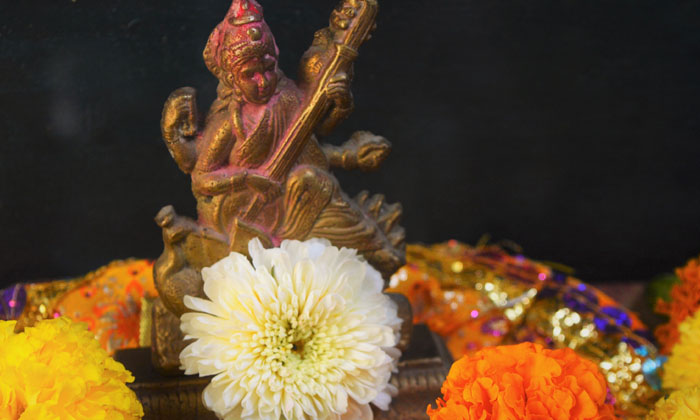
(108, 300)
(484, 296)
(12, 302)
(471, 296)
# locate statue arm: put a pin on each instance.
(212, 174)
(338, 89)
(235, 179)
(219, 181)
(216, 144)
(179, 127)
(364, 151)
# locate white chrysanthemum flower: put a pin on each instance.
(303, 333)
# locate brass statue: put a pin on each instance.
(257, 167)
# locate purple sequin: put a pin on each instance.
(559, 278)
(602, 324)
(620, 316)
(496, 326)
(12, 302)
(587, 294)
(575, 304)
(632, 342)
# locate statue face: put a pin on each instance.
(257, 78)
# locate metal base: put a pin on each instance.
(422, 370)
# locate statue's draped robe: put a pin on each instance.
(312, 204)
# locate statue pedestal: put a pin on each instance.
(422, 370)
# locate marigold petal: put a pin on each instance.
(524, 381)
(57, 370)
(682, 370)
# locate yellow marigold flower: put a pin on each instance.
(680, 405)
(10, 404)
(682, 370)
(57, 370)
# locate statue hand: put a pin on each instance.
(371, 152)
(179, 126)
(264, 186)
(180, 115)
(364, 151)
(338, 91)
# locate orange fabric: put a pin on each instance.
(441, 282)
(523, 381)
(448, 287)
(109, 302)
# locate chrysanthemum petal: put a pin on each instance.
(301, 333)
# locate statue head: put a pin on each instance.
(242, 53)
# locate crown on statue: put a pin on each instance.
(244, 11)
(242, 34)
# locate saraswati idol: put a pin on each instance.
(257, 167)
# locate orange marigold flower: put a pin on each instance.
(523, 381)
(685, 300)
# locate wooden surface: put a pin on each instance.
(422, 369)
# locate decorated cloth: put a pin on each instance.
(471, 296)
(483, 296)
(109, 300)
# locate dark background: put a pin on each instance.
(567, 126)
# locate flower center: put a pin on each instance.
(298, 348)
(298, 338)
